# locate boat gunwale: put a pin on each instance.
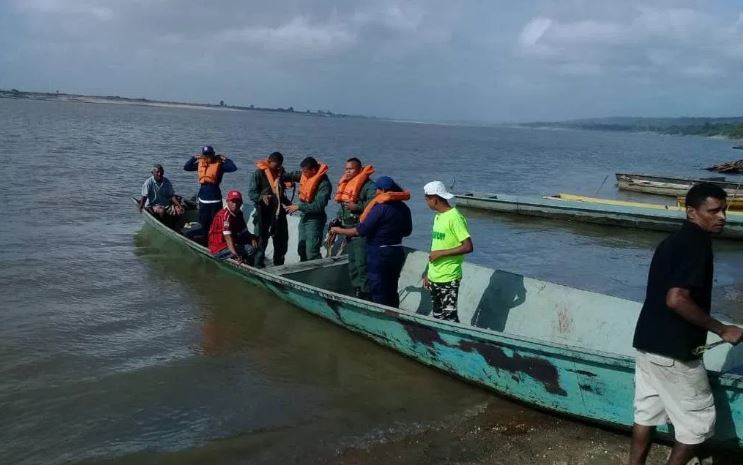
(578, 206)
(650, 177)
(500, 338)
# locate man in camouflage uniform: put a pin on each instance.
(269, 219)
(355, 191)
(314, 194)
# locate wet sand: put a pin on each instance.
(500, 435)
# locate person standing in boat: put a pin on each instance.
(228, 234)
(384, 223)
(314, 194)
(450, 242)
(355, 191)
(266, 191)
(159, 197)
(670, 379)
(210, 168)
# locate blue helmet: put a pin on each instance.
(208, 150)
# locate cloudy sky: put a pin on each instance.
(427, 60)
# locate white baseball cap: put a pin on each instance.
(437, 188)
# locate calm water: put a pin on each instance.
(118, 347)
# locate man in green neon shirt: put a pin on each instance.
(450, 242)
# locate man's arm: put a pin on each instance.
(679, 300)
(145, 193)
(192, 164)
(349, 232)
(292, 176)
(254, 193)
(231, 247)
(370, 224)
(464, 248)
(228, 166)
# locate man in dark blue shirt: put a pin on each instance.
(670, 379)
(210, 168)
(384, 222)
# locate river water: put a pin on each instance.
(118, 347)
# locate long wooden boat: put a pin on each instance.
(552, 346)
(671, 186)
(735, 204)
(592, 210)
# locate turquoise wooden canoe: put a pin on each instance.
(554, 347)
(613, 214)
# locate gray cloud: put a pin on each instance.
(414, 59)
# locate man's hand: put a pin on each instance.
(291, 209)
(426, 283)
(222, 157)
(732, 334)
(266, 199)
(435, 255)
(254, 242)
(237, 258)
(351, 206)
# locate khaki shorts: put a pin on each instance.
(672, 390)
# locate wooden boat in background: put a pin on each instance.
(551, 346)
(672, 186)
(593, 210)
(735, 204)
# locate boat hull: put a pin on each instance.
(628, 216)
(593, 386)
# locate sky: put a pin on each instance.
(432, 60)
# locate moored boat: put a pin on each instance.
(552, 346)
(734, 203)
(672, 186)
(592, 210)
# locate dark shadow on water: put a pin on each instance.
(504, 292)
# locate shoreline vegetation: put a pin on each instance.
(728, 127)
(115, 99)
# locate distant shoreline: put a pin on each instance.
(117, 100)
(720, 128)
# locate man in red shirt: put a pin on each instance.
(228, 234)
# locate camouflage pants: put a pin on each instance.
(444, 300)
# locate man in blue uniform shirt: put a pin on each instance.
(384, 222)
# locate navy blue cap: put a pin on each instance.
(207, 150)
(387, 183)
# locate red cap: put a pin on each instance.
(234, 195)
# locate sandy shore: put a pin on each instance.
(502, 435)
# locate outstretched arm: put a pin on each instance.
(679, 300)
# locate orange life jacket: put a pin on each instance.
(349, 190)
(209, 171)
(384, 197)
(308, 186)
(272, 180)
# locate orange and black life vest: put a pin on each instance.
(349, 190)
(308, 186)
(273, 181)
(209, 170)
(384, 197)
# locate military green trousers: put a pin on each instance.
(356, 249)
(311, 230)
